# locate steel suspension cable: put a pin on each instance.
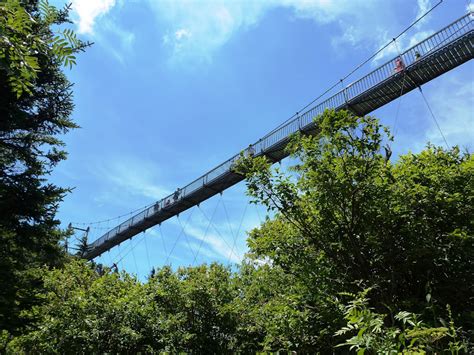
(147, 255)
(219, 234)
(186, 236)
(238, 232)
(258, 214)
(179, 236)
(119, 255)
(357, 67)
(131, 249)
(110, 258)
(162, 239)
(401, 89)
(133, 255)
(231, 230)
(113, 218)
(207, 229)
(433, 116)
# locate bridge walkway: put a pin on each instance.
(430, 58)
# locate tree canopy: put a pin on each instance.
(362, 253)
(35, 107)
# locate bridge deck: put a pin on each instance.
(441, 52)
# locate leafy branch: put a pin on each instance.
(25, 37)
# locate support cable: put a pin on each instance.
(147, 255)
(358, 67)
(186, 237)
(110, 258)
(238, 232)
(399, 104)
(219, 234)
(207, 228)
(113, 218)
(231, 230)
(162, 239)
(401, 89)
(119, 255)
(122, 254)
(258, 214)
(128, 252)
(133, 255)
(179, 236)
(433, 116)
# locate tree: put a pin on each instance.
(276, 311)
(20, 43)
(193, 307)
(347, 221)
(35, 105)
(83, 247)
(348, 218)
(84, 312)
(407, 333)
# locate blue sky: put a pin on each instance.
(172, 88)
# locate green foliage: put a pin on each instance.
(83, 247)
(192, 306)
(85, 313)
(178, 311)
(277, 312)
(411, 336)
(24, 34)
(35, 105)
(347, 218)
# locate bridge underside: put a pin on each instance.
(440, 53)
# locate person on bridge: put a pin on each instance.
(399, 65)
(114, 267)
(251, 150)
(176, 194)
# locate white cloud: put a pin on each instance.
(181, 34)
(423, 7)
(109, 35)
(88, 11)
(455, 116)
(213, 241)
(117, 41)
(402, 44)
(408, 39)
(133, 177)
(196, 29)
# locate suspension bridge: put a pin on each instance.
(439, 53)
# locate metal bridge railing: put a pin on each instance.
(446, 35)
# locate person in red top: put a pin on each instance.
(399, 65)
